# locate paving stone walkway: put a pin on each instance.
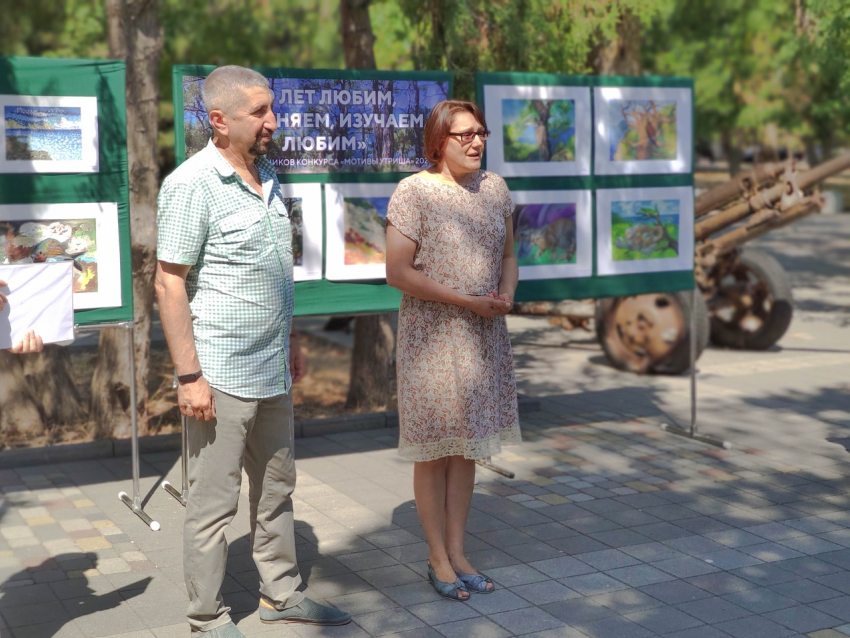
(611, 528)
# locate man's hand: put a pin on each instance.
(30, 343)
(297, 361)
(196, 399)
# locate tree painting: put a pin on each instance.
(539, 130)
(643, 130)
(295, 208)
(545, 234)
(645, 229)
(365, 224)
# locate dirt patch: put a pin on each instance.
(320, 394)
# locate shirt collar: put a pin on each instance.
(225, 169)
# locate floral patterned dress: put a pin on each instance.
(456, 386)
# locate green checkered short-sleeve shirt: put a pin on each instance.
(240, 286)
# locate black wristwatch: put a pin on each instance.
(189, 378)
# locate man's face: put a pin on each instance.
(252, 122)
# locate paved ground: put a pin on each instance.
(612, 528)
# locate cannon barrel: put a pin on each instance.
(743, 183)
(788, 192)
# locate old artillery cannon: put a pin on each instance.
(746, 299)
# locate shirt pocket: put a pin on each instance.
(242, 234)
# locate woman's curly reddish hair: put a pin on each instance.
(439, 125)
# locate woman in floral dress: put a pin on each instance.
(450, 251)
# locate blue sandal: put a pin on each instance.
(476, 583)
(448, 590)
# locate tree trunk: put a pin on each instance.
(371, 363)
(374, 339)
(53, 385)
(20, 413)
(620, 56)
(136, 36)
(543, 107)
(358, 41)
(732, 152)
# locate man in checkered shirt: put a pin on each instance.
(225, 291)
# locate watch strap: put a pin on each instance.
(188, 378)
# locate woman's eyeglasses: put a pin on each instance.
(467, 136)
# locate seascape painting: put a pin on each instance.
(545, 234)
(365, 224)
(642, 130)
(43, 133)
(645, 229)
(86, 235)
(539, 130)
(553, 232)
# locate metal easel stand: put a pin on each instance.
(183, 496)
(134, 503)
(487, 465)
(693, 433)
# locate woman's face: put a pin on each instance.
(462, 158)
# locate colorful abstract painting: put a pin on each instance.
(84, 234)
(365, 230)
(642, 130)
(645, 229)
(539, 130)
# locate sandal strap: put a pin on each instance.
(447, 589)
(475, 582)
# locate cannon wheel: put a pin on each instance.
(753, 305)
(649, 333)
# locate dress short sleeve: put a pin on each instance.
(504, 196)
(404, 210)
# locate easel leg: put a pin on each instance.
(184, 466)
(693, 433)
(135, 504)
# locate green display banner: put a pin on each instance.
(601, 170)
(334, 127)
(64, 192)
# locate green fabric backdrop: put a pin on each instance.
(103, 79)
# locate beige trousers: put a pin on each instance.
(259, 433)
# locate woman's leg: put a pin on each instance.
(460, 481)
(429, 489)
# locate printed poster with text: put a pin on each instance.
(335, 125)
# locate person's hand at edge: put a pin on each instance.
(297, 361)
(30, 343)
(3, 299)
(195, 399)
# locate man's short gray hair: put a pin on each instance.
(224, 88)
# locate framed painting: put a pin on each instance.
(642, 230)
(48, 134)
(553, 234)
(304, 205)
(85, 234)
(356, 223)
(538, 131)
(642, 130)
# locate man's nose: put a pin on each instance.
(270, 122)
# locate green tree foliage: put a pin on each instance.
(544, 36)
(757, 62)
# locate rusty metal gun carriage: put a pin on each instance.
(746, 300)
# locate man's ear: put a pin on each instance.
(219, 122)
